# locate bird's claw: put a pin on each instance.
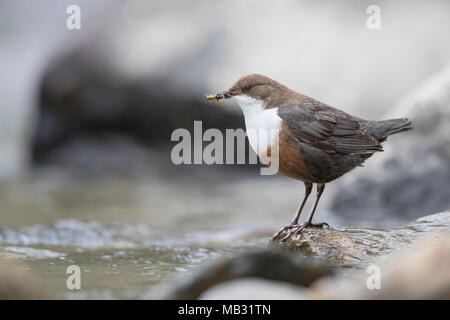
(293, 231)
(286, 227)
(297, 229)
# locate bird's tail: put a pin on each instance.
(397, 125)
(382, 129)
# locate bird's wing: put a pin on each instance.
(328, 129)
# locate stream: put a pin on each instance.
(128, 235)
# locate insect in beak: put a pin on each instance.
(217, 97)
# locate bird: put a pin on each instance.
(317, 143)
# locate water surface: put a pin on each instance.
(128, 235)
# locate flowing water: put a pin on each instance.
(128, 235)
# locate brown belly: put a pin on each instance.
(292, 164)
(291, 161)
(309, 164)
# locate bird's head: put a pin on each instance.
(255, 86)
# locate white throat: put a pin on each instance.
(259, 121)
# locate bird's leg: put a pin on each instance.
(294, 222)
(308, 188)
(308, 223)
(320, 188)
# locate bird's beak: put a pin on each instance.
(219, 96)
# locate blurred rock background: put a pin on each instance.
(410, 178)
(87, 116)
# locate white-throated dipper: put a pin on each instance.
(316, 143)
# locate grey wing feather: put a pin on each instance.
(333, 132)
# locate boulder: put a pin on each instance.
(361, 247)
(81, 102)
(142, 81)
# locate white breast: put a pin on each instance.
(262, 125)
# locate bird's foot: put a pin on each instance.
(299, 228)
(285, 228)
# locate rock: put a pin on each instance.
(330, 264)
(360, 247)
(254, 289)
(341, 246)
(18, 284)
(418, 270)
(81, 102)
(265, 264)
(421, 271)
(411, 177)
(99, 89)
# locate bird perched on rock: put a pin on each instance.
(316, 143)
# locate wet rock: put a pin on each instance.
(329, 264)
(266, 264)
(341, 246)
(360, 247)
(417, 270)
(411, 177)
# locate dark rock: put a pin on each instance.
(140, 81)
(265, 264)
(80, 101)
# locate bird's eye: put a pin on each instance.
(246, 87)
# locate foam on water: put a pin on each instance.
(92, 234)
